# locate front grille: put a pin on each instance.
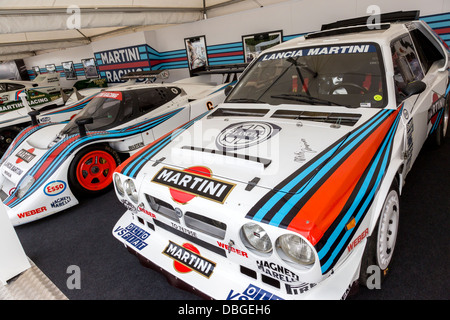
(163, 208)
(205, 225)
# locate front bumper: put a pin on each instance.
(204, 270)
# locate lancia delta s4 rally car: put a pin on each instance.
(50, 166)
(290, 188)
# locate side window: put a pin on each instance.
(15, 86)
(429, 52)
(407, 67)
(2, 87)
(149, 99)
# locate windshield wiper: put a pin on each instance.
(245, 100)
(306, 98)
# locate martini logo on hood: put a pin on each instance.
(245, 134)
(191, 182)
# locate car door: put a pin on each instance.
(409, 68)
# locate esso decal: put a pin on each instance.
(54, 188)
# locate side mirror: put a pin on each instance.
(33, 114)
(414, 87)
(81, 125)
(228, 90)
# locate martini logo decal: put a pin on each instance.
(187, 258)
(25, 155)
(438, 104)
(194, 181)
(245, 134)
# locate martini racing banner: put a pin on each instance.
(115, 63)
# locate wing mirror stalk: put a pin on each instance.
(81, 123)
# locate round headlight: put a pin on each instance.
(256, 238)
(295, 249)
(119, 185)
(25, 186)
(131, 190)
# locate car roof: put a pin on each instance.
(381, 33)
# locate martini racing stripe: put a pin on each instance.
(133, 165)
(337, 237)
(54, 157)
(276, 205)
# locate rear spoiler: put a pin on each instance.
(154, 74)
(226, 69)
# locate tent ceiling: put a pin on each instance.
(32, 27)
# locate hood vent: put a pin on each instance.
(238, 112)
(263, 161)
(344, 119)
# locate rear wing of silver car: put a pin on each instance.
(151, 75)
(231, 71)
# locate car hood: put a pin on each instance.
(261, 150)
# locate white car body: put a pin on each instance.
(319, 179)
(43, 91)
(40, 157)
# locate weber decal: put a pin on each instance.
(187, 258)
(195, 181)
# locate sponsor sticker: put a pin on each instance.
(55, 188)
(194, 181)
(252, 293)
(187, 258)
(110, 94)
(134, 235)
(60, 202)
(31, 212)
(245, 134)
(25, 155)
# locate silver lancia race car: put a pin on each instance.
(51, 166)
(290, 188)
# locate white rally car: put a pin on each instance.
(49, 167)
(290, 188)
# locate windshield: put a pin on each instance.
(106, 109)
(347, 75)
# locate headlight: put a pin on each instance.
(295, 249)
(131, 190)
(255, 237)
(119, 185)
(25, 186)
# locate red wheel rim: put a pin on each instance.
(95, 169)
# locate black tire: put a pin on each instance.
(7, 135)
(439, 135)
(380, 245)
(90, 172)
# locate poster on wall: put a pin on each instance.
(36, 70)
(255, 43)
(196, 52)
(90, 69)
(50, 68)
(69, 70)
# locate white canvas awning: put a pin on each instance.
(31, 27)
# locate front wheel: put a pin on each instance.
(441, 131)
(380, 246)
(90, 172)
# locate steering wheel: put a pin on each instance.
(349, 85)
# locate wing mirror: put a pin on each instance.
(33, 114)
(228, 90)
(414, 87)
(81, 123)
